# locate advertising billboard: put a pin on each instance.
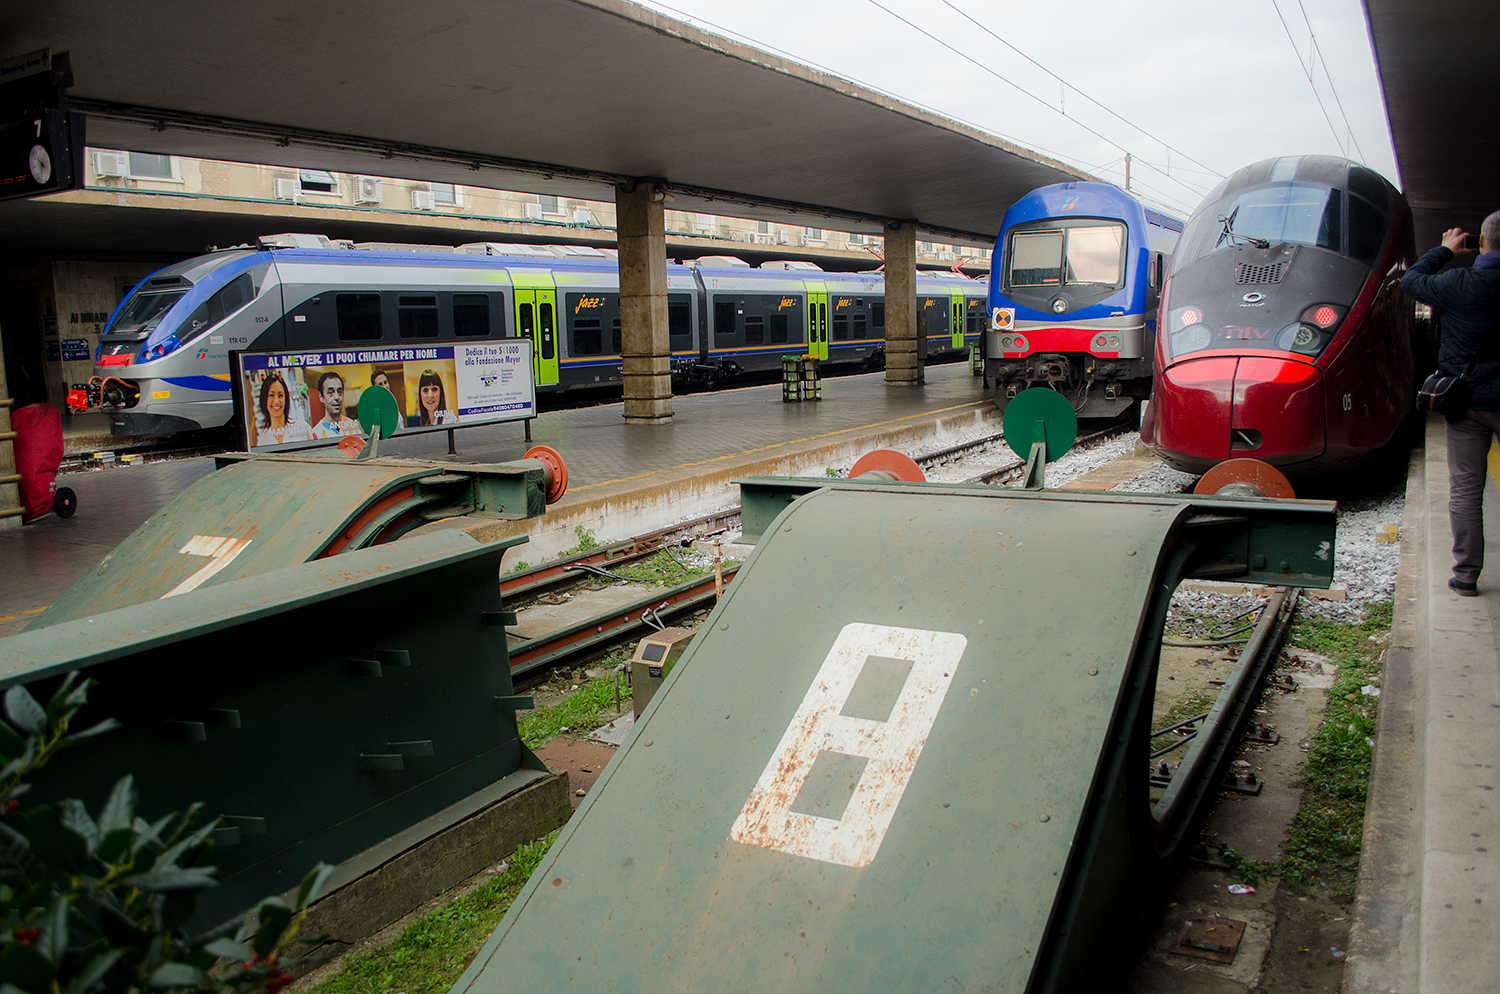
(305, 397)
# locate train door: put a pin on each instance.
(956, 326)
(817, 321)
(536, 319)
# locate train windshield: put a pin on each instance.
(142, 312)
(1299, 213)
(1073, 256)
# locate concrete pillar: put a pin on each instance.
(903, 360)
(647, 355)
(10, 493)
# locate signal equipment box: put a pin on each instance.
(653, 660)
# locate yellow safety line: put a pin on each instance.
(776, 445)
(13, 617)
(1494, 461)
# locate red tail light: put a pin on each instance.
(1325, 316)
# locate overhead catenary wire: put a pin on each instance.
(1021, 89)
(1063, 157)
(974, 21)
(1333, 129)
(1318, 49)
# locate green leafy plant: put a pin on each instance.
(98, 902)
(587, 541)
(582, 710)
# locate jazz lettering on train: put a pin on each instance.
(588, 304)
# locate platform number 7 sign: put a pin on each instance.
(891, 747)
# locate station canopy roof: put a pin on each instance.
(564, 97)
(1445, 122)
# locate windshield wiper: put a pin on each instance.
(1229, 232)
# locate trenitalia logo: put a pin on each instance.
(588, 304)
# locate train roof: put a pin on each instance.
(1061, 200)
(1318, 170)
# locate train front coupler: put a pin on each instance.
(102, 392)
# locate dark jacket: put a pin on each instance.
(1469, 300)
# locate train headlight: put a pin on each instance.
(1303, 338)
(1194, 338)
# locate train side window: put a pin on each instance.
(755, 329)
(877, 316)
(616, 337)
(680, 323)
(724, 324)
(358, 316)
(417, 316)
(780, 329)
(1329, 228)
(587, 336)
(860, 321)
(1366, 229)
(525, 319)
(230, 298)
(471, 315)
(840, 326)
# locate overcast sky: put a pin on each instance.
(1219, 82)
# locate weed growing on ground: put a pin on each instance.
(435, 949)
(670, 568)
(1323, 846)
(519, 567)
(587, 542)
(581, 711)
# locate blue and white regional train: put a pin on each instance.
(1073, 294)
(163, 359)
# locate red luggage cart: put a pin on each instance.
(39, 452)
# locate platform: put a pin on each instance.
(623, 478)
(1428, 903)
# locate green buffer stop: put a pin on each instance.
(1040, 427)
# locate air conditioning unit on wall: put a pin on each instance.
(533, 212)
(581, 215)
(367, 190)
(288, 189)
(783, 237)
(111, 163)
(421, 200)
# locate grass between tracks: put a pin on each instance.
(435, 949)
(1323, 846)
(579, 711)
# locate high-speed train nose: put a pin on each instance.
(1278, 407)
(1227, 406)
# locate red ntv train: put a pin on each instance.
(1283, 335)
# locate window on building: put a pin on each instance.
(317, 181)
(444, 193)
(471, 315)
(549, 204)
(144, 165)
(816, 234)
(763, 227)
(855, 238)
(417, 316)
(358, 316)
